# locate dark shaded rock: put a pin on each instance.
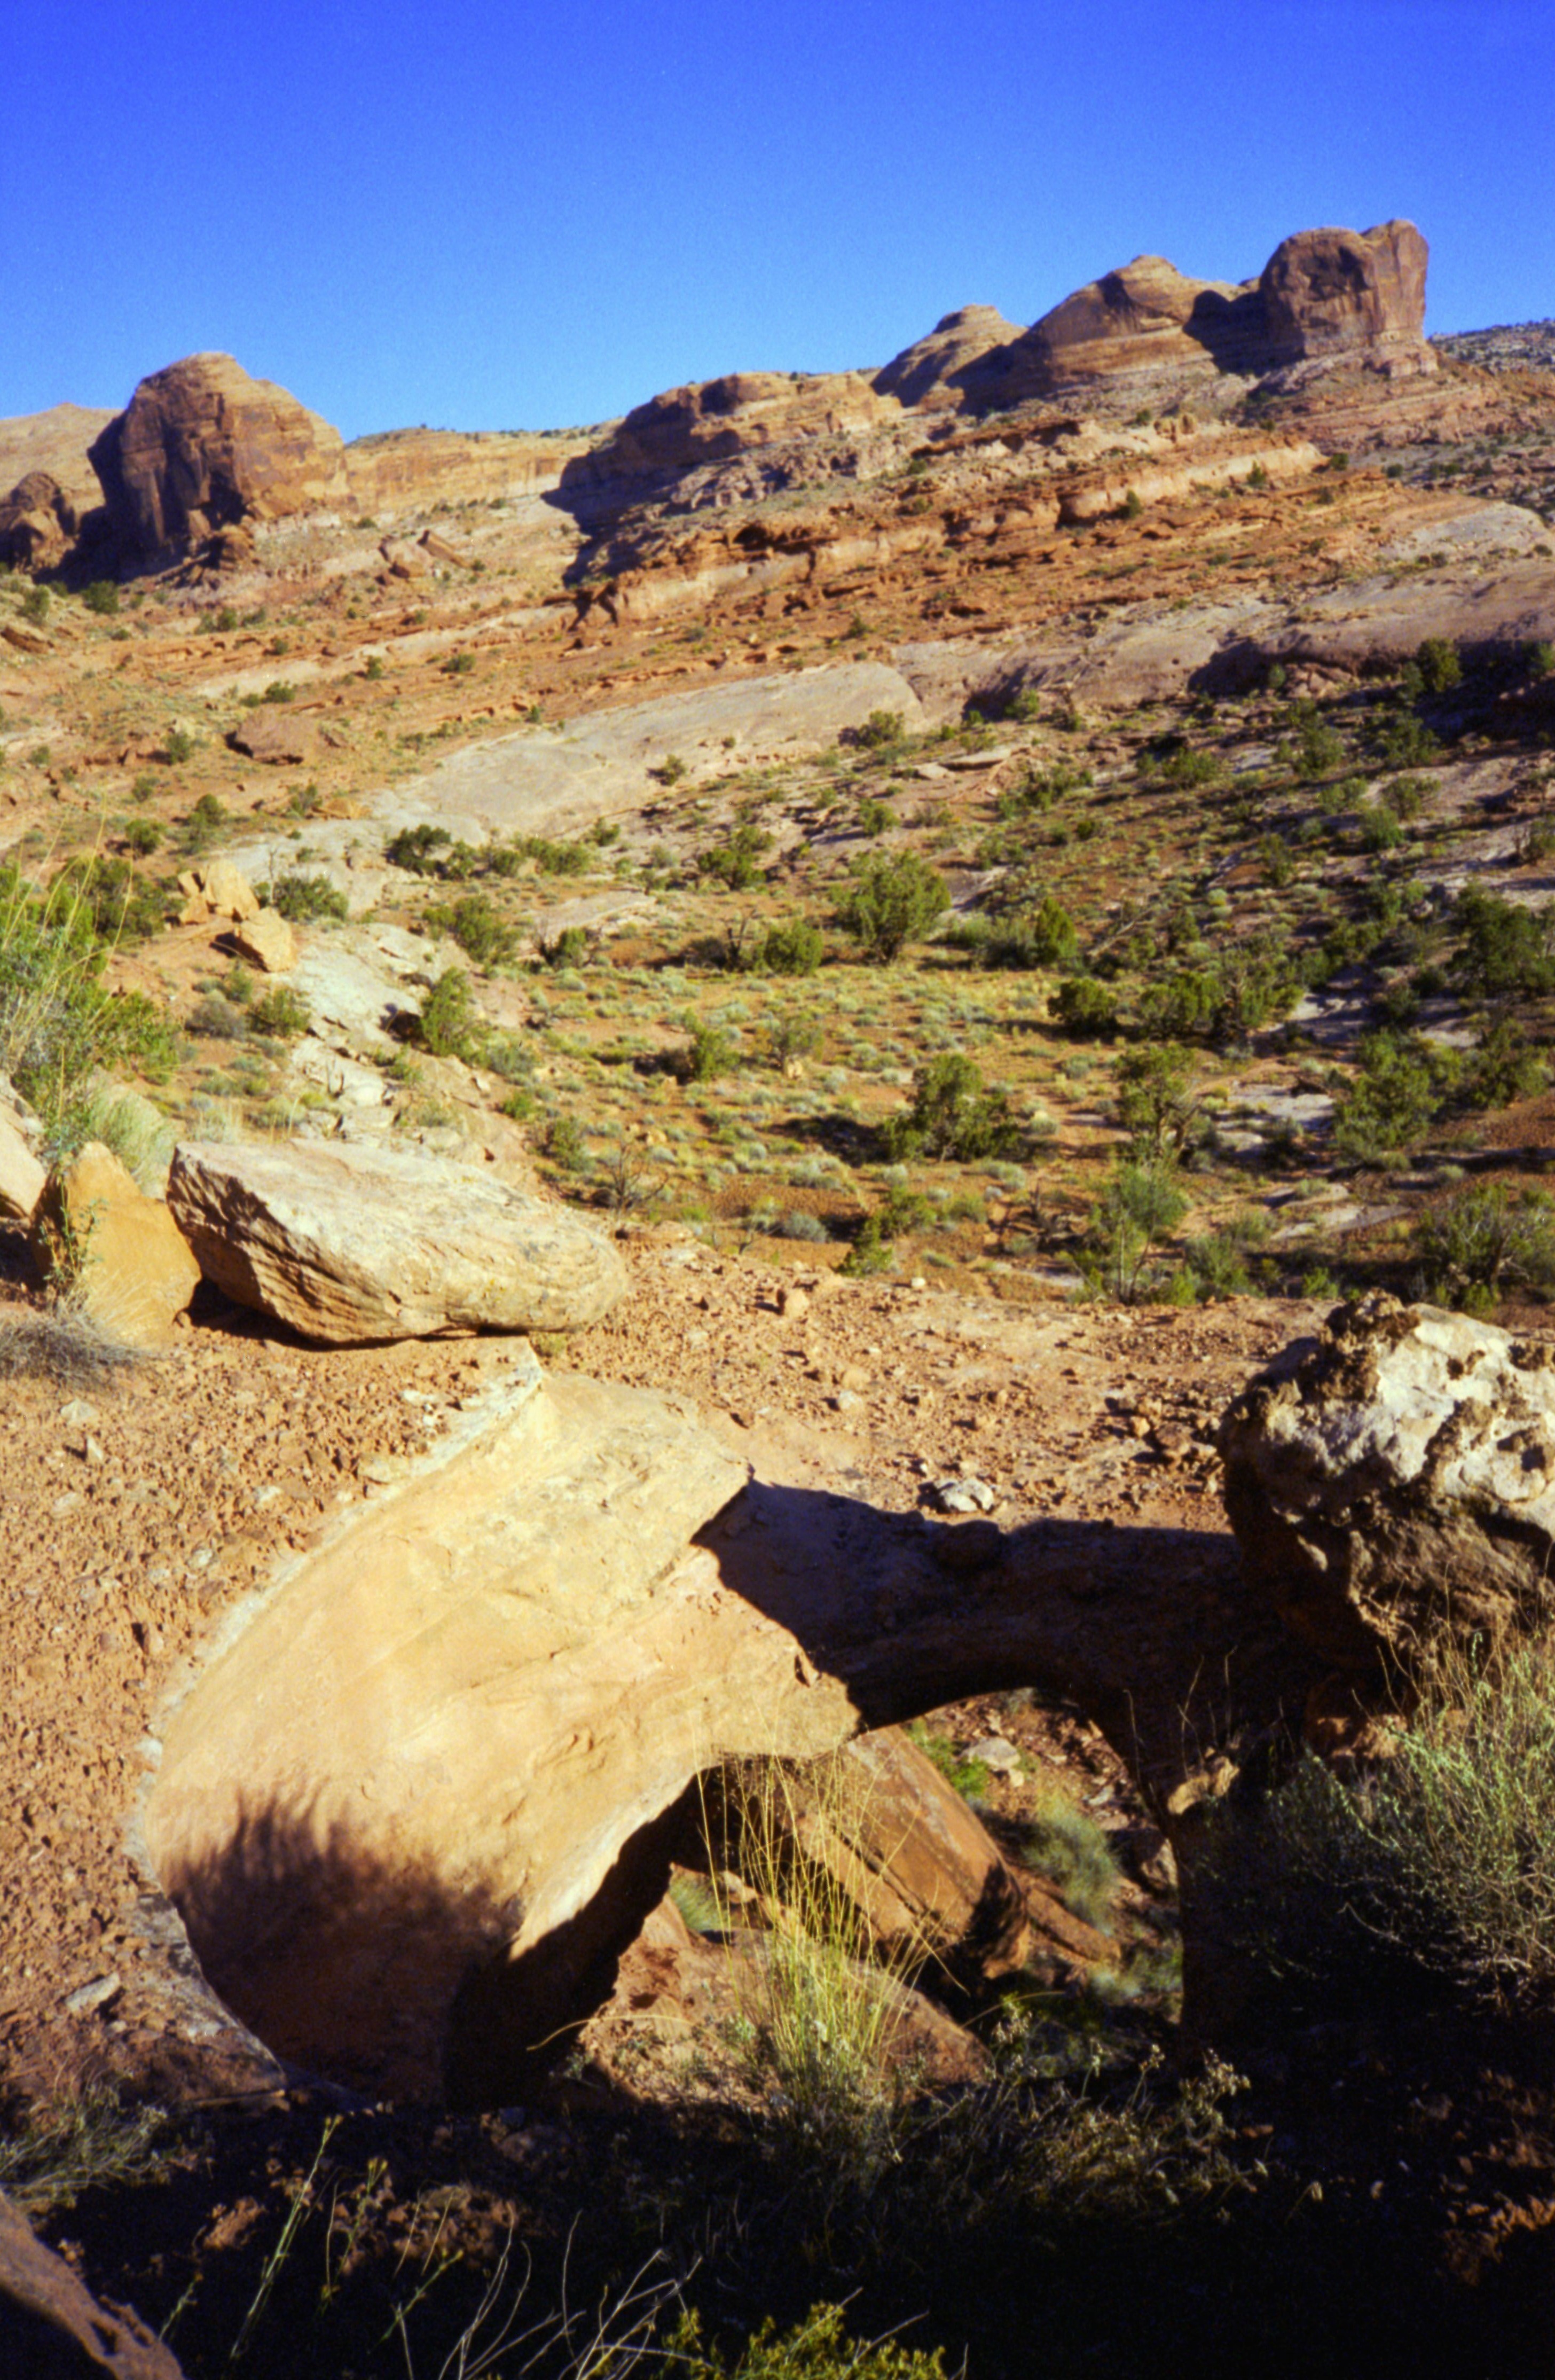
(1395, 1480)
(203, 447)
(53, 2328)
(38, 523)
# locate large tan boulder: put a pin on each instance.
(201, 446)
(21, 1176)
(277, 735)
(1395, 1479)
(117, 1254)
(268, 939)
(346, 1243)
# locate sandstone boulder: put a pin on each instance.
(1346, 293)
(268, 939)
(38, 524)
(923, 1870)
(715, 421)
(119, 1255)
(202, 447)
(275, 733)
(349, 1244)
(217, 889)
(1397, 1479)
(1142, 317)
(21, 1176)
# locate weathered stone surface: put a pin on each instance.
(51, 2326)
(1342, 293)
(960, 361)
(21, 1176)
(268, 939)
(57, 443)
(1145, 315)
(276, 734)
(397, 470)
(217, 889)
(349, 1244)
(119, 1254)
(202, 446)
(38, 522)
(924, 1871)
(1395, 1480)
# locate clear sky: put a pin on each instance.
(497, 214)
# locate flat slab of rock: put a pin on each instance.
(1397, 1478)
(21, 1176)
(53, 2325)
(349, 1244)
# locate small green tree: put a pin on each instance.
(448, 1025)
(1140, 1204)
(951, 1115)
(1158, 1107)
(892, 899)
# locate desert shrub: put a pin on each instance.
(794, 1224)
(1158, 1106)
(1216, 1262)
(142, 836)
(875, 817)
(1380, 829)
(204, 823)
(1505, 950)
(892, 900)
(102, 597)
(567, 948)
(1085, 1007)
(816, 2349)
(1041, 789)
(178, 745)
(1485, 1241)
(303, 898)
(1397, 1092)
(1186, 768)
(1183, 1007)
(124, 907)
(879, 730)
(970, 1777)
(871, 1251)
(1405, 795)
(1537, 843)
(794, 948)
(711, 1050)
(89, 2140)
(448, 1025)
(565, 1144)
(218, 1018)
(1442, 1860)
(280, 1013)
(1439, 664)
(478, 927)
(1064, 1845)
(1502, 1068)
(791, 1036)
(551, 857)
(415, 848)
(1402, 741)
(35, 605)
(734, 864)
(951, 1115)
(1319, 749)
(1139, 1205)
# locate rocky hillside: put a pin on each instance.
(759, 1171)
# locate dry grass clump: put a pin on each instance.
(85, 2140)
(65, 1347)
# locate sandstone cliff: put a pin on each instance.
(203, 447)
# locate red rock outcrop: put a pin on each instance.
(1346, 293)
(38, 522)
(201, 446)
(54, 442)
(960, 361)
(1324, 296)
(720, 421)
(398, 469)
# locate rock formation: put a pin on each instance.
(961, 361)
(201, 448)
(1345, 293)
(116, 1254)
(346, 1245)
(1148, 331)
(38, 523)
(56, 2330)
(1396, 1479)
(55, 443)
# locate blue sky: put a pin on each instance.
(493, 215)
